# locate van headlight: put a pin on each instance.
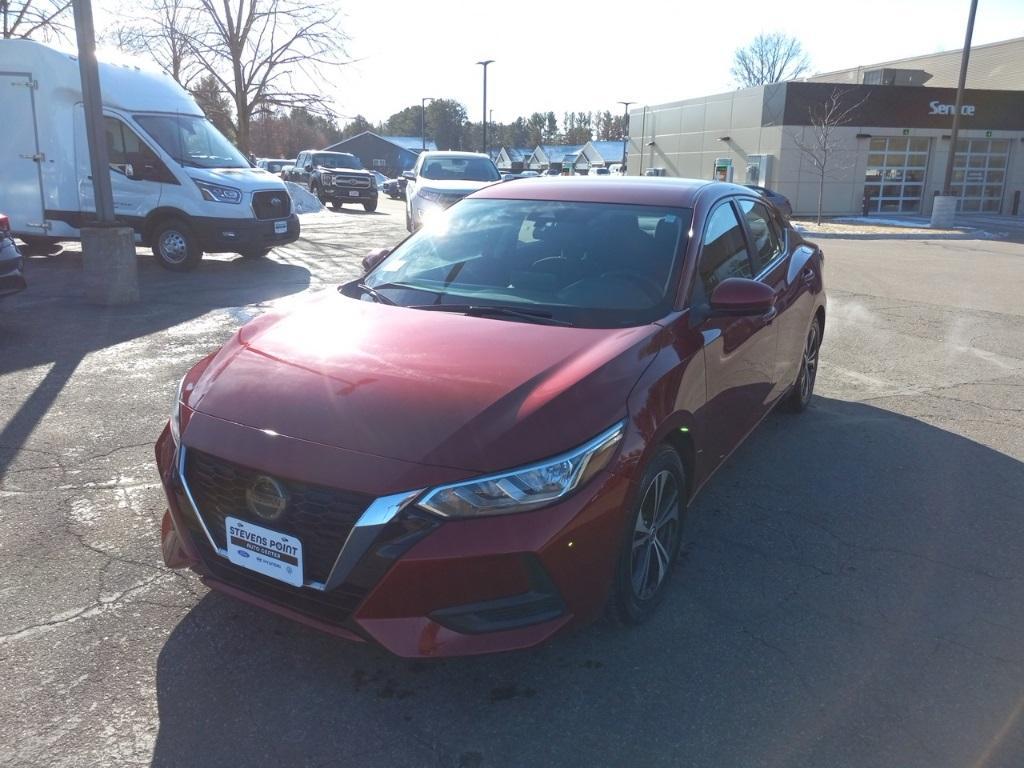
(526, 488)
(215, 193)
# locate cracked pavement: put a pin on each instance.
(851, 592)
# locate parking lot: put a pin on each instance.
(852, 592)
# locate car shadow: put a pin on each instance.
(358, 211)
(51, 324)
(849, 595)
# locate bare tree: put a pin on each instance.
(268, 53)
(165, 33)
(39, 19)
(769, 58)
(823, 148)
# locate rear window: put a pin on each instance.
(459, 169)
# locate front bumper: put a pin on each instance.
(426, 587)
(12, 274)
(237, 235)
(344, 194)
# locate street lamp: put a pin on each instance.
(484, 65)
(423, 119)
(625, 133)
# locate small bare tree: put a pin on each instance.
(769, 58)
(165, 33)
(38, 19)
(823, 149)
(268, 53)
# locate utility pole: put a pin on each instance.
(625, 130)
(108, 251)
(944, 206)
(484, 65)
(423, 119)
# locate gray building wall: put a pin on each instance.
(995, 66)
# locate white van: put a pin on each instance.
(177, 181)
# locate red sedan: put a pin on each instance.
(496, 432)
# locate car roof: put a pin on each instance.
(636, 190)
(452, 154)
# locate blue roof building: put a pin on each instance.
(388, 154)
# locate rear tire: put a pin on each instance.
(650, 547)
(370, 207)
(800, 396)
(175, 245)
(39, 246)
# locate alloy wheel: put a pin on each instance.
(655, 535)
(810, 364)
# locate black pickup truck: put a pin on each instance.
(334, 177)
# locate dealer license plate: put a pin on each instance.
(280, 227)
(264, 551)
(354, 193)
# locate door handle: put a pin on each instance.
(769, 317)
(807, 275)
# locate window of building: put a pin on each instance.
(894, 179)
(379, 162)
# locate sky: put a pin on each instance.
(577, 56)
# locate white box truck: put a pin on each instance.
(182, 186)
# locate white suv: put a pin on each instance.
(441, 179)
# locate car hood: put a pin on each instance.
(438, 388)
(453, 186)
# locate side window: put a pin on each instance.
(767, 241)
(115, 144)
(724, 251)
(125, 148)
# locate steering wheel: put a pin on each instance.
(644, 283)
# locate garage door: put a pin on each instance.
(894, 179)
(979, 174)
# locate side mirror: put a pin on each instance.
(409, 175)
(740, 296)
(373, 258)
(309, 168)
(129, 171)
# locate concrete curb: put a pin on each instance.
(978, 235)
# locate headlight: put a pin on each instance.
(528, 487)
(215, 193)
(176, 413)
(429, 194)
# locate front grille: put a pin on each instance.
(319, 517)
(334, 607)
(356, 182)
(271, 205)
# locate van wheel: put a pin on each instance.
(39, 246)
(175, 246)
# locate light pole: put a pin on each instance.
(484, 65)
(625, 131)
(423, 119)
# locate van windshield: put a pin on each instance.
(192, 141)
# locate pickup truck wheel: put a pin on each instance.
(175, 246)
(254, 253)
(370, 207)
(336, 204)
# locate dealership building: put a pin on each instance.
(888, 156)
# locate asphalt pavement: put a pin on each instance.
(852, 590)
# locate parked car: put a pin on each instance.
(273, 166)
(381, 178)
(506, 439)
(441, 179)
(779, 201)
(12, 265)
(599, 171)
(182, 186)
(335, 178)
(395, 188)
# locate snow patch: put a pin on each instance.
(303, 201)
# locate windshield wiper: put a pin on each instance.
(376, 295)
(480, 310)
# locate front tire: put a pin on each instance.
(175, 246)
(370, 207)
(336, 205)
(652, 540)
(800, 396)
(255, 253)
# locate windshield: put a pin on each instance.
(459, 169)
(192, 141)
(335, 160)
(596, 265)
(275, 165)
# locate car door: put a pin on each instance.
(739, 351)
